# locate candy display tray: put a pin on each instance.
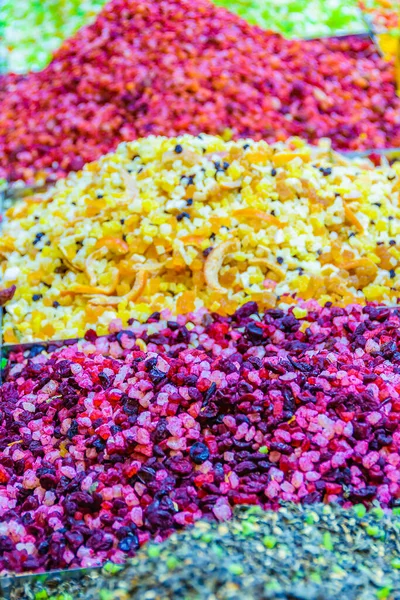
(16, 584)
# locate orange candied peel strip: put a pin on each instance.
(135, 292)
(114, 244)
(352, 219)
(270, 266)
(255, 213)
(214, 263)
(93, 290)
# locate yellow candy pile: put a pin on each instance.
(195, 221)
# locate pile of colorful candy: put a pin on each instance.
(315, 553)
(300, 18)
(174, 67)
(194, 221)
(34, 30)
(385, 14)
(108, 443)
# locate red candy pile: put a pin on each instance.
(177, 66)
(106, 444)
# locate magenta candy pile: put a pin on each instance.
(176, 66)
(106, 444)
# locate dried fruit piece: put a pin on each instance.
(214, 263)
(7, 294)
(131, 296)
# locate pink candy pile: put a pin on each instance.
(104, 445)
(177, 66)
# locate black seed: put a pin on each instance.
(273, 172)
(36, 297)
(392, 273)
(61, 270)
(392, 242)
(207, 251)
(38, 237)
(122, 221)
(325, 171)
(189, 201)
(279, 260)
(56, 304)
(182, 216)
(178, 149)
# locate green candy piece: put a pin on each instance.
(395, 563)
(384, 593)
(373, 531)
(112, 568)
(172, 562)
(327, 541)
(154, 551)
(248, 528)
(309, 519)
(236, 569)
(360, 510)
(269, 541)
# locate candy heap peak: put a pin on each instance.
(177, 66)
(115, 440)
(188, 222)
